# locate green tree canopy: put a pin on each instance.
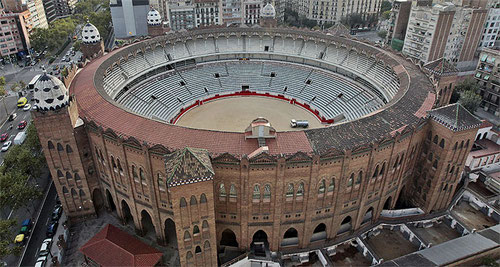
(468, 84)
(353, 20)
(53, 37)
(385, 6)
(386, 14)
(382, 34)
(470, 100)
(7, 235)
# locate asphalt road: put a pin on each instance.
(39, 231)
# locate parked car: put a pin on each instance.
(64, 58)
(20, 239)
(12, 116)
(6, 146)
(4, 137)
(27, 107)
(56, 214)
(51, 229)
(41, 261)
(45, 247)
(22, 125)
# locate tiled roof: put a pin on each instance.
(187, 166)
(96, 106)
(454, 117)
(440, 66)
(114, 247)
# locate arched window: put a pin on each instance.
(193, 201)
(203, 198)
(113, 164)
(50, 145)
(77, 177)
(331, 186)
(461, 144)
(187, 236)
(351, 180)
(82, 194)
(134, 173)
(207, 245)
(300, 190)
(222, 190)
(289, 190)
(68, 149)
(429, 158)
(119, 166)
(196, 230)
(401, 159)
(435, 164)
(267, 191)
(436, 138)
(467, 143)
(183, 202)
(65, 190)
(375, 173)
(441, 144)
(68, 175)
(321, 187)
(447, 168)
(360, 177)
(429, 136)
(452, 169)
(161, 182)
(256, 192)
(232, 191)
(73, 193)
(60, 174)
(141, 174)
(455, 146)
(382, 170)
(197, 250)
(204, 225)
(396, 162)
(189, 257)
(59, 147)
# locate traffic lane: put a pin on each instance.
(21, 116)
(38, 234)
(10, 103)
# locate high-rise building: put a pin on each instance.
(491, 31)
(50, 11)
(488, 78)
(443, 30)
(129, 17)
(398, 22)
(37, 18)
(231, 11)
(207, 12)
(64, 7)
(332, 11)
(181, 15)
(14, 37)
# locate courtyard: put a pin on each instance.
(390, 245)
(470, 217)
(347, 255)
(437, 234)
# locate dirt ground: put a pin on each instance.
(235, 114)
(436, 234)
(390, 245)
(472, 218)
(348, 255)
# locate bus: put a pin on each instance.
(31, 85)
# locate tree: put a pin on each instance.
(7, 235)
(22, 84)
(2, 81)
(20, 159)
(353, 20)
(468, 84)
(385, 6)
(382, 34)
(16, 192)
(470, 100)
(386, 15)
(32, 142)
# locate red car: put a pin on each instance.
(22, 125)
(4, 137)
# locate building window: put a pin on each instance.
(232, 191)
(331, 187)
(351, 180)
(360, 177)
(322, 187)
(267, 191)
(256, 192)
(222, 190)
(290, 190)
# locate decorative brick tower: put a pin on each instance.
(65, 145)
(191, 190)
(92, 46)
(268, 16)
(444, 76)
(450, 136)
(156, 26)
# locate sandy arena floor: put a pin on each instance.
(235, 114)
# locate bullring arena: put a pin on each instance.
(165, 133)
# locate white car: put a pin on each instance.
(45, 247)
(41, 261)
(27, 107)
(6, 146)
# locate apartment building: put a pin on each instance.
(491, 31)
(488, 77)
(181, 15)
(332, 11)
(129, 17)
(443, 30)
(50, 11)
(398, 20)
(207, 12)
(231, 11)
(14, 37)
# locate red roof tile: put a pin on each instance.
(114, 247)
